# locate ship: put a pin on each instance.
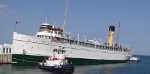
(31, 49)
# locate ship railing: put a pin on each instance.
(92, 45)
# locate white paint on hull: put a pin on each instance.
(32, 45)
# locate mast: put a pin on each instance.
(118, 32)
(65, 14)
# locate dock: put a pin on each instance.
(5, 58)
(5, 54)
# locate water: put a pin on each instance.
(122, 68)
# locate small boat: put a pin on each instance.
(134, 59)
(57, 62)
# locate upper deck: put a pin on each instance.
(57, 34)
(47, 31)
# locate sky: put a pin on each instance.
(86, 17)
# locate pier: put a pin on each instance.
(5, 58)
(5, 54)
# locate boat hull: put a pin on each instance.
(21, 59)
(61, 68)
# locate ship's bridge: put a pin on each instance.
(48, 31)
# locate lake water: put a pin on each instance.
(143, 67)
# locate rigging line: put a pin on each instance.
(65, 14)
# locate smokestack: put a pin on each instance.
(111, 35)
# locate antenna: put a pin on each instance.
(78, 38)
(45, 19)
(65, 14)
(118, 32)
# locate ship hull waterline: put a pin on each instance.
(21, 59)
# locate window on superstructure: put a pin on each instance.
(6, 50)
(121, 49)
(51, 31)
(107, 47)
(87, 44)
(55, 32)
(59, 33)
(42, 36)
(81, 43)
(103, 47)
(68, 40)
(38, 36)
(49, 37)
(76, 42)
(91, 45)
(9, 50)
(46, 37)
(3, 50)
(113, 48)
(125, 49)
(110, 48)
(58, 52)
(63, 40)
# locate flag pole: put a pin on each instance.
(17, 22)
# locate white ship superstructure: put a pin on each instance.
(36, 47)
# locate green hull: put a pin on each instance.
(80, 61)
(20, 59)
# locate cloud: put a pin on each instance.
(3, 9)
(3, 6)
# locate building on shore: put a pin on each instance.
(5, 54)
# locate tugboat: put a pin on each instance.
(57, 62)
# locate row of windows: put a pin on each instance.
(50, 28)
(43, 36)
(55, 32)
(6, 50)
(92, 45)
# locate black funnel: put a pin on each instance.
(112, 28)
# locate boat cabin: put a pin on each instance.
(48, 31)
